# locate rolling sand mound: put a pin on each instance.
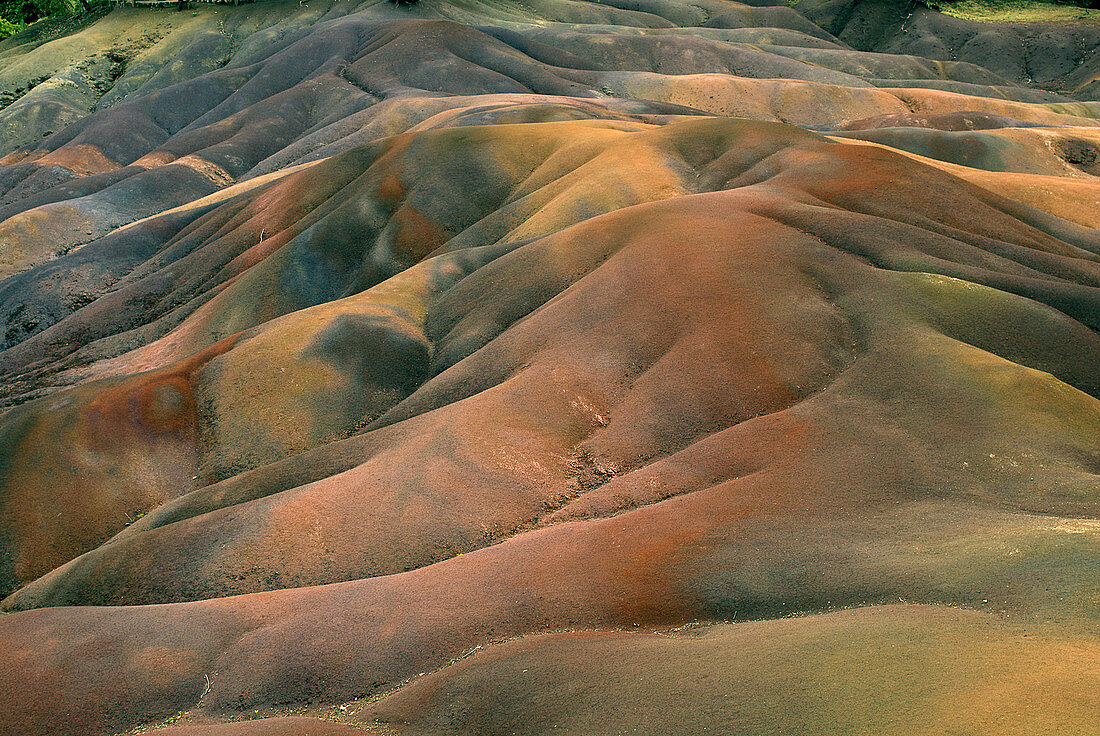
(519, 367)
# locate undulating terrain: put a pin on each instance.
(550, 366)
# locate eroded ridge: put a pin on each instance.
(365, 365)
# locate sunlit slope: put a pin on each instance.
(426, 368)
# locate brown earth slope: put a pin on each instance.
(498, 367)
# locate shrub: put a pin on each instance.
(7, 28)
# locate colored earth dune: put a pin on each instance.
(550, 366)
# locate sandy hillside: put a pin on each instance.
(550, 366)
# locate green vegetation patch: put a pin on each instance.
(16, 15)
(7, 28)
(1019, 11)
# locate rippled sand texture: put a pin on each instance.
(550, 366)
